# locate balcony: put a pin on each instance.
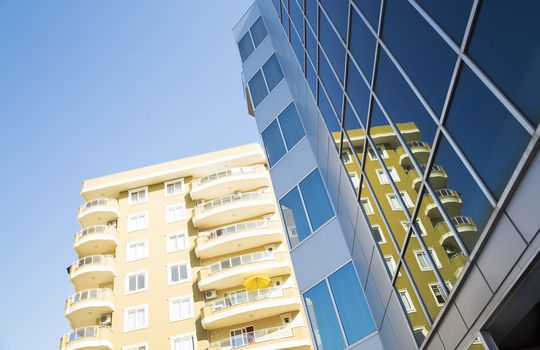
(450, 200)
(235, 207)
(277, 338)
(437, 178)
(92, 271)
(249, 306)
(419, 149)
(467, 232)
(231, 180)
(231, 272)
(98, 239)
(457, 263)
(98, 211)
(241, 236)
(88, 338)
(86, 306)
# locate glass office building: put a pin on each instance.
(402, 137)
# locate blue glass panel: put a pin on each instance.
(258, 31)
(311, 13)
(276, 4)
(285, 20)
(371, 9)
(506, 45)
(329, 117)
(291, 126)
(272, 72)
(245, 46)
(358, 91)
(298, 48)
(273, 143)
(474, 114)
(295, 217)
(426, 58)
(316, 200)
(338, 12)
(323, 319)
(257, 88)
(452, 16)
(333, 47)
(351, 304)
(362, 45)
(330, 83)
(311, 46)
(312, 79)
(297, 18)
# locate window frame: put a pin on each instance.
(368, 202)
(145, 255)
(405, 292)
(356, 184)
(248, 32)
(265, 82)
(135, 308)
(137, 190)
(172, 182)
(181, 298)
(173, 338)
(404, 196)
(381, 175)
(139, 290)
(439, 287)
(378, 227)
(169, 272)
(171, 206)
(433, 256)
(382, 151)
(390, 258)
(180, 233)
(131, 216)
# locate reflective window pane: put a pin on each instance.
(323, 318)
(294, 217)
(426, 58)
(311, 46)
(351, 303)
(357, 91)
(362, 45)
(370, 9)
(258, 31)
(291, 126)
(298, 48)
(311, 14)
(297, 18)
(273, 143)
(330, 119)
(245, 46)
(257, 88)
(333, 47)
(338, 12)
(311, 78)
(476, 112)
(316, 200)
(272, 72)
(506, 45)
(276, 4)
(331, 85)
(452, 16)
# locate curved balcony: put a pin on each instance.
(437, 178)
(235, 207)
(457, 263)
(450, 200)
(92, 271)
(419, 149)
(231, 180)
(467, 232)
(98, 211)
(277, 338)
(249, 306)
(231, 272)
(88, 338)
(86, 306)
(240, 236)
(98, 239)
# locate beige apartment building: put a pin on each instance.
(188, 254)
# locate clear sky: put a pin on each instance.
(89, 88)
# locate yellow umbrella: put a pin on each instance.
(257, 281)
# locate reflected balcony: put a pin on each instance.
(238, 179)
(235, 207)
(249, 306)
(98, 239)
(467, 232)
(86, 306)
(92, 271)
(420, 151)
(98, 211)
(277, 338)
(88, 338)
(231, 272)
(437, 178)
(450, 200)
(240, 236)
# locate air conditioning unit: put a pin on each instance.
(105, 320)
(211, 294)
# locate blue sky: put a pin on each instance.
(88, 88)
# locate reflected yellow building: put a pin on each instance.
(188, 254)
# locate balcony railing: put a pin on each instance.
(240, 260)
(229, 199)
(228, 173)
(254, 337)
(89, 294)
(414, 144)
(462, 220)
(92, 260)
(445, 192)
(99, 202)
(96, 229)
(245, 297)
(236, 228)
(97, 332)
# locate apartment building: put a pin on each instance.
(420, 120)
(188, 254)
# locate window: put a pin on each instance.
(138, 195)
(174, 187)
(391, 264)
(136, 250)
(382, 176)
(348, 308)
(183, 342)
(242, 337)
(368, 209)
(265, 80)
(135, 318)
(306, 208)
(174, 213)
(419, 226)
(252, 39)
(346, 157)
(354, 179)
(180, 308)
(178, 273)
(137, 222)
(438, 294)
(394, 202)
(422, 260)
(382, 152)
(420, 335)
(136, 282)
(282, 134)
(406, 300)
(176, 241)
(377, 234)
